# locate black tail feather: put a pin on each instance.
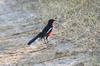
(31, 41)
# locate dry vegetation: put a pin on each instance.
(75, 40)
(79, 21)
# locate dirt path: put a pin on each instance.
(69, 46)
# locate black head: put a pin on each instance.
(51, 21)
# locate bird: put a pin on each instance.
(45, 33)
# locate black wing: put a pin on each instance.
(46, 29)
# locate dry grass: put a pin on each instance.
(76, 37)
(66, 9)
(80, 20)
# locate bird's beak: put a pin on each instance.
(54, 20)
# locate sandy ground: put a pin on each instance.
(19, 24)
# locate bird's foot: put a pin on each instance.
(46, 42)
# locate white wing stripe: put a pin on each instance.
(49, 30)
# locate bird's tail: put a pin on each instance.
(31, 41)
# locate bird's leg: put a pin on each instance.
(40, 38)
(47, 40)
(44, 39)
